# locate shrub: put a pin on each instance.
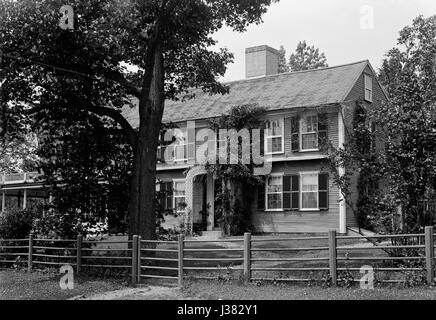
(16, 223)
(55, 224)
(95, 229)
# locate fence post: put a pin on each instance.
(79, 253)
(332, 257)
(139, 259)
(247, 256)
(181, 247)
(134, 260)
(30, 258)
(429, 254)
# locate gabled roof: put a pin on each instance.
(276, 92)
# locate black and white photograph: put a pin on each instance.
(217, 154)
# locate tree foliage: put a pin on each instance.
(283, 64)
(307, 57)
(403, 154)
(49, 69)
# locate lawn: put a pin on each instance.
(212, 290)
(18, 285)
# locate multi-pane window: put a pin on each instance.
(222, 145)
(181, 145)
(309, 132)
(368, 88)
(309, 191)
(274, 192)
(274, 136)
(174, 195)
(179, 195)
(303, 191)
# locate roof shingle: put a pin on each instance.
(275, 92)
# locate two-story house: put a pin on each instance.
(303, 109)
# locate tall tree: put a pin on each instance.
(283, 64)
(167, 40)
(307, 58)
(403, 134)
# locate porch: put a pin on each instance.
(200, 200)
(21, 191)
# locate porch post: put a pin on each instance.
(341, 171)
(24, 198)
(210, 200)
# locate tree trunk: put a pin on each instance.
(142, 214)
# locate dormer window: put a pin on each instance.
(368, 87)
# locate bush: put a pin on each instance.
(55, 224)
(16, 223)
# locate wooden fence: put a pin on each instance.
(174, 260)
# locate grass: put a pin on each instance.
(212, 290)
(18, 285)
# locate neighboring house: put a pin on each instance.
(303, 109)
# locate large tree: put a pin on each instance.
(394, 145)
(168, 41)
(307, 57)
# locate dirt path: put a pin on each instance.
(143, 293)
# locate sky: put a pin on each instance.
(345, 30)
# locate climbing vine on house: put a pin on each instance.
(233, 198)
(402, 146)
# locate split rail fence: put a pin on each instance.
(249, 256)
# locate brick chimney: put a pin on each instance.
(261, 61)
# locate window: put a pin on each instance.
(304, 191)
(181, 145)
(368, 88)
(174, 195)
(179, 195)
(309, 191)
(309, 133)
(166, 198)
(222, 146)
(274, 136)
(274, 192)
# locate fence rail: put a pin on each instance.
(173, 260)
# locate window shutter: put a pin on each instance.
(295, 134)
(295, 192)
(323, 191)
(261, 197)
(169, 195)
(159, 153)
(262, 141)
(161, 188)
(322, 130)
(191, 143)
(287, 192)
